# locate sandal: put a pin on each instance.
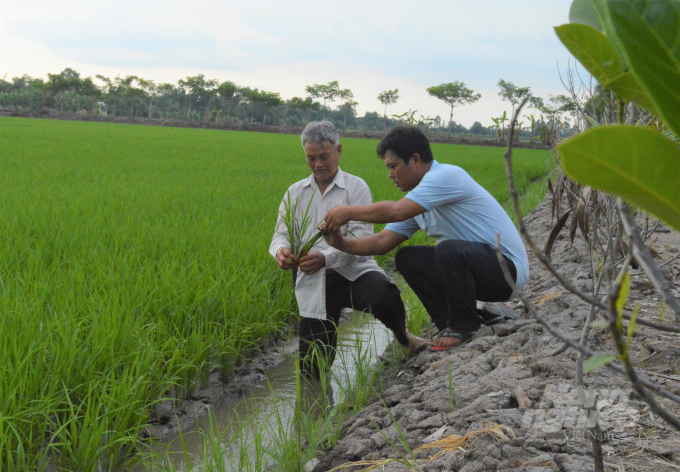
(464, 337)
(493, 314)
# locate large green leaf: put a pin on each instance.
(597, 54)
(587, 12)
(592, 49)
(648, 35)
(638, 164)
(628, 88)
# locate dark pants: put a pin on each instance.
(450, 277)
(371, 292)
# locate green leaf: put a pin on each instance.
(599, 56)
(648, 35)
(638, 164)
(592, 49)
(628, 88)
(631, 324)
(587, 12)
(623, 293)
(597, 361)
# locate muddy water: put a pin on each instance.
(267, 404)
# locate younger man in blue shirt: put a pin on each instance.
(463, 218)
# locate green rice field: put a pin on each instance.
(133, 260)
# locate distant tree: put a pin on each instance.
(348, 106)
(228, 91)
(328, 92)
(196, 88)
(370, 121)
(536, 103)
(88, 89)
(69, 74)
(149, 86)
(126, 88)
(511, 93)
(388, 97)
(477, 128)
(454, 94)
(268, 100)
(110, 89)
(57, 84)
(304, 104)
(209, 92)
(247, 96)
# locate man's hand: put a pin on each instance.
(285, 259)
(332, 238)
(337, 217)
(312, 262)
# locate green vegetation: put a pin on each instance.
(631, 49)
(454, 94)
(207, 100)
(134, 260)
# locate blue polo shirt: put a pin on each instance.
(459, 208)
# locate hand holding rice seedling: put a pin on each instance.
(296, 231)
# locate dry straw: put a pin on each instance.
(450, 445)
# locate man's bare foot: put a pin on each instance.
(416, 343)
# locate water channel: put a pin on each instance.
(243, 427)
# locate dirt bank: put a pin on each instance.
(472, 387)
(254, 127)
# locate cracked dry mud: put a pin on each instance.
(471, 387)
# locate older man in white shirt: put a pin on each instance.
(329, 279)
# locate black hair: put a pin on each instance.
(405, 141)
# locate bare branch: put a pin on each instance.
(646, 260)
(570, 342)
(535, 249)
(632, 375)
(520, 220)
(669, 261)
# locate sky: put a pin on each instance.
(281, 46)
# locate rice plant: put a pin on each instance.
(297, 229)
(134, 261)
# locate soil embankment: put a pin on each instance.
(255, 127)
(474, 386)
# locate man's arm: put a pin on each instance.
(373, 245)
(358, 194)
(380, 212)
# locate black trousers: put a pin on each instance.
(371, 292)
(450, 277)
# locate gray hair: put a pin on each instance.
(319, 131)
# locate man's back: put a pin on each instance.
(459, 208)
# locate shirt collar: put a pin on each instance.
(338, 180)
(434, 164)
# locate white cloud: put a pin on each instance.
(369, 46)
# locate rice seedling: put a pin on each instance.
(297, 229)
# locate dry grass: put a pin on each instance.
(450, 445)
(547, 297)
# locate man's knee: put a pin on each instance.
(374, 289)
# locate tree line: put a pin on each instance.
(198, 98)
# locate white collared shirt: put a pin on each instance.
(345, 189)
